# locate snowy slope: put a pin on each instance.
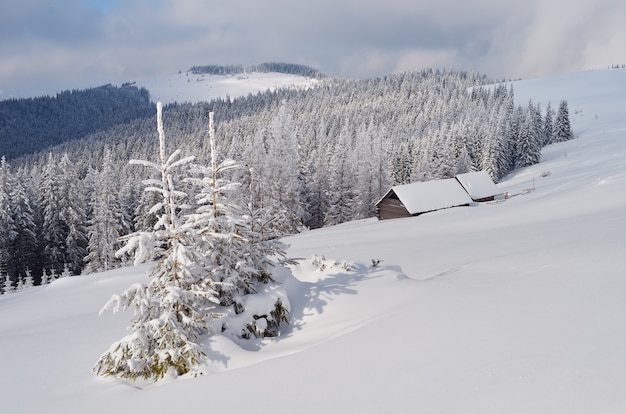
(189, 87)
(511, 307)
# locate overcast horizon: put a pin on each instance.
(51, 46)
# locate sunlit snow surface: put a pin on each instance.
(509, 307)
(190, 87)
(185, 86)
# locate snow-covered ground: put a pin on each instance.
(510, 307)
(189, 87)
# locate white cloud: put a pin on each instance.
(136, 38)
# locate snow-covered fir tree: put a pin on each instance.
(44, 279)
(171, 310)
(28, 279)
(66, 272)
(371, 170)
(283, 189)
(20, 283)
(73, 215)
(548, 125)
(316, 177)
(53, 275)
(7, 223)
(208, 261)
(528, 145)
(64, 232)
(25, 246)
(562, 127)
(340, 188)
(107, 222)
(8, 285)
(240, 252)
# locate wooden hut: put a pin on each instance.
(421, 197)
(479, 185)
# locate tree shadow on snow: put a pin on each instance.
(337, 278)
(311, 298)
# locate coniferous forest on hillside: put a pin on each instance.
(312, 158)
(34, 124)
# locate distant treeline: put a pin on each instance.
(35, 124)
(278, 67)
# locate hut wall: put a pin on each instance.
(390, 208)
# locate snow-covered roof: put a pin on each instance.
(421, 197)
(478, 185)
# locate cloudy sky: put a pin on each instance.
(49, 45)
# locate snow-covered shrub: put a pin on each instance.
(319, 262)
(322, 264)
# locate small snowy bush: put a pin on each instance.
(322, 264)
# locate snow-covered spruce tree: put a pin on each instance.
(340, 179)
(107, 222)
(7, 224)
(171, 310)
(282, 167)
(370, 167)
(528, 145)
(28, 279)
(64, 234)
(548, 125)
(8, 285)
(53, 228)
(73, 216)
(44, 279)
(207, 261)
(53, 275)
(562, 128)
(20, 283)
(239, 250)
(25, 244)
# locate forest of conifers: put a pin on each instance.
(313, 158)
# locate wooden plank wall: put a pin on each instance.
(390, 208)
